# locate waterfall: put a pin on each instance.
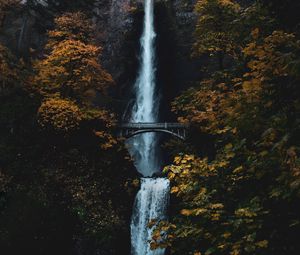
(151, 203)
(152, 199)
(144, 147)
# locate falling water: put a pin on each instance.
(150, 204)
(144, 147)
(152, 199)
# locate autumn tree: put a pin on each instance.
(227, 202)
(71, 69)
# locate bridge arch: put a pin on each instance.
(138, 132)
(177, 130)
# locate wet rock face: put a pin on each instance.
(185, 22)
(24, 29)
(175, 24)
(115, 28)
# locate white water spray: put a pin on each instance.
(152, 199)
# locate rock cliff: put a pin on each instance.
(118, 27)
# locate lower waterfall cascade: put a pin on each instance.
(151, 203)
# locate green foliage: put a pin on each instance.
(223, 28)
(212, 30)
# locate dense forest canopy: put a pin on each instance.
(67, 182)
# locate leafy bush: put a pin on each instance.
(59, 114)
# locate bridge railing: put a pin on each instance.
(161, 125)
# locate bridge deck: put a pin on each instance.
(164, 125)
(131, 129)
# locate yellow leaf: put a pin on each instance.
(174, 190)
(186, 212)
(238, 170)
(262, 244)
(226, 235)
(177, 160)
(171, 175)
(247, 85)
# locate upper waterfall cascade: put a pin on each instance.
(145, 109)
